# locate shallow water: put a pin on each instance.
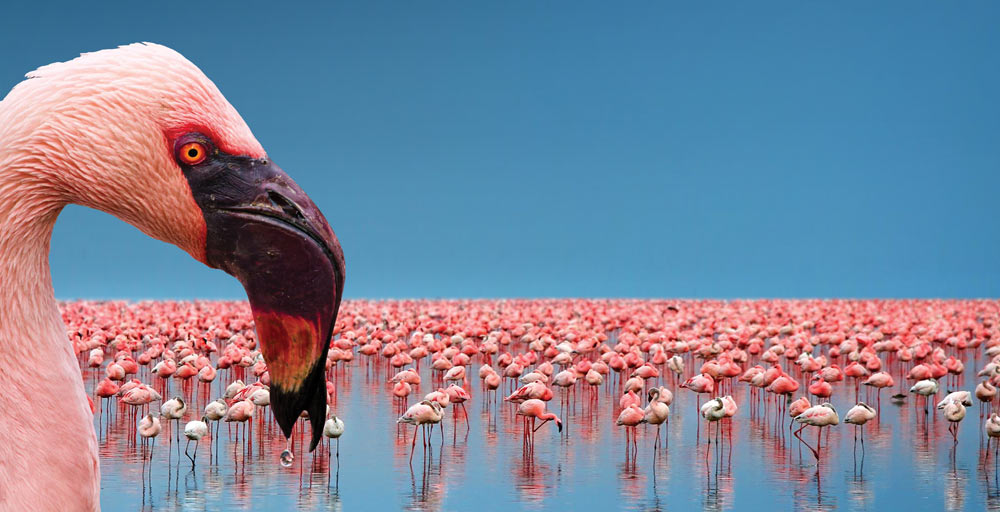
(907, 461)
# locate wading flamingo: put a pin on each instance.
(985, 393)
(457, 395)
(174, 409)
(333, 429)
(879, 381)
(531, 410)
(713, 411)
(992, 427)
(215, 411)
(953, 407)
(925, 388)
(657, 412)
(141, 133)
(426, 412)
(630, 417)
(858, 416)
(149, 428)
(194, 431)
(819, 416)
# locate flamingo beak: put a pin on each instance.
(264, 230)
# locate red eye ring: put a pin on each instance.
(192, 153)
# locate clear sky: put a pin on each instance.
(524, 148)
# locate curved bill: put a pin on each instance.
(265, 231)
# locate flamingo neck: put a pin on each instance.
(49, 448)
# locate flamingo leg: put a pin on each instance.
(797, 436)
(413, 446)
(466, 412)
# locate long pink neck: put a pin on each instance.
(48, 446)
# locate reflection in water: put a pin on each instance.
(955, 483)
(907, 461)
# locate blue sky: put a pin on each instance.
(786, 149)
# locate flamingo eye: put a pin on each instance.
(192, 153)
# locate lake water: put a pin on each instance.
(908, 462)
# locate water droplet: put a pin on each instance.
(286, 458)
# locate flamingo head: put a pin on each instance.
(141, 133)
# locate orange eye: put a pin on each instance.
(192, 153)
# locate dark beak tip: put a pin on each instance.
(311, 397)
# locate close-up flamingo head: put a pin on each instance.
(141, 133)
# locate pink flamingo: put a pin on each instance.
(139, 135)
(458, 396)
(531, 410)
(629, 418)
(985, 393)
(149, 428)
(858, 416)
(822, 415)
(657, 411)
(879, 381)
(426, 412)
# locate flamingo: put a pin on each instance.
(149, 428)
(141, 133)
(992, 427)
(458, 395)
(533, 409)
(630, 417)
(954, 412)
(701, 383)
(985, 393)
(534, 390)
(426, 412)
(240, 412)
(174, 409)
(629, 399)
(333, 429)
(858, 416)
(713, 411)
(676, 365)
(233, 388)
(657, 411)
(963, 397)
(879, 381)
(925, 388)
(194, 431)
(819, 416)
(216, 410)
(663, 394)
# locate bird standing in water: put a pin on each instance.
(533, 409)
(174, 409)
(149, 428)
(657, 411)
(954, 412)
(421, 414)
(333, 429)
(925, 388)
(194, 431)
(858, 416)
(819, 416)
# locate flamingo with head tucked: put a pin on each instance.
(141, 133)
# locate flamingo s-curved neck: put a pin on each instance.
(49, 447)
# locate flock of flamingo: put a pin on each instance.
(791, 355)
